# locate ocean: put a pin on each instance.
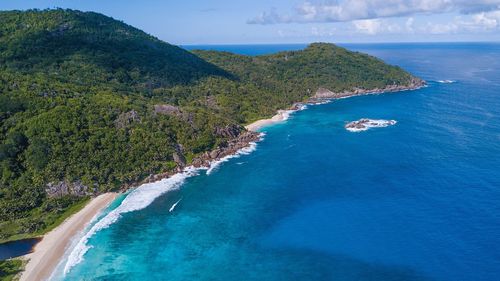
(418, 200)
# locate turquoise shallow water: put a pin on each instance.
(415, 201)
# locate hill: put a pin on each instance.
(89, 104)
(92, 49)
(280, 78)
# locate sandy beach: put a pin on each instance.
(282, 115)
(50, 250)
(323, 95)
(48, 253)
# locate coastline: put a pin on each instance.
(324, 95)
(48, 252)
(280, 116)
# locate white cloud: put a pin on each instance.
(370, 27)
(350, 10)
(490, 20)
(409, 24)
(476, 23)
(439, 28)
(323, 31)
(481, 22)
(377, 26)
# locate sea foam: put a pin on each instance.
(446, 81)
(140, 198)
(365, 124)
(214, 165)
(285, 114)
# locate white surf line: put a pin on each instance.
(252, 146)
(446, 81)
(140, 198)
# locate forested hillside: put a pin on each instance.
(89, 104)
(294, 75)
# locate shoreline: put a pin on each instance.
(158, 185)
(324, 95)
(48, 253)
(280, 116)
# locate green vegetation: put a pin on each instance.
(90, 104)
(9, 269)
(52, 213)
(268, 83)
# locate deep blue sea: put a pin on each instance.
(419, 200)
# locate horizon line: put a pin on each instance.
(354, 43)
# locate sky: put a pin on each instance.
(188, 22)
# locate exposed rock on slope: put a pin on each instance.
(323, 93)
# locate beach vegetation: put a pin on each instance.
(10, 269)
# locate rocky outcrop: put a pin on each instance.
(230, 147)
(127, 118)
(61, 29)
(323, 93)
(211, 102)
(64, 188)
(229, 131)
(178, 156)
(237, 137)
(167, 109)
(365, 124)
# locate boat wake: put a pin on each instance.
(174, 205)
(140, 198)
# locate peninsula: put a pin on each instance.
(90, 105)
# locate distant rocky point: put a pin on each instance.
(323, 93)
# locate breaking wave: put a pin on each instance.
(140, 198)
(214, 165)
(446, 81)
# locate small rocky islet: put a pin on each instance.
(365, 124)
